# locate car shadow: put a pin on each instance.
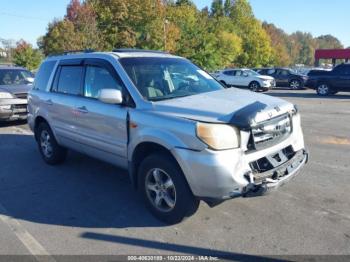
(12, 123)
(307, 95)
(82, 192)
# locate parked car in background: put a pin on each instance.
(285, 77)
(15, 83)
(245, 78)
(330, 82)
(182, 136)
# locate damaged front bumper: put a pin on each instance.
(262, 183)
(13, 109)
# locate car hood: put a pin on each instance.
(238, 107)
(263, 77)
(15, 89)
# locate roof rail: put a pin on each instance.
(8, 65)
(68, 52)
(135, 50)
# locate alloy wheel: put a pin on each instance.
(323, 89)
(295, 84)
(45, 144)
(160, 190)
(254, 87)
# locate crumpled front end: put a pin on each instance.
(270, 155)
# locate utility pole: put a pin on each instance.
(166, 22)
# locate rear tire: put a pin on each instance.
(254, 86)
(323, 89)
(165, 190)
(50, 150)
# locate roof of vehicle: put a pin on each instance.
(9, 66)
(120, 53)
(268, 68)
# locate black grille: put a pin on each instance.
(22, 95)
(20, 110)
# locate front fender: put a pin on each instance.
(158, 136)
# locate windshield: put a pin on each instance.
(167, 78)
(14, 76)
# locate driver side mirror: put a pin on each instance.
(110, 96)
(29, 80)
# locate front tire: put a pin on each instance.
(51, 152)
(295, 84)
(254, 86)
(165, 190)
(323, 89)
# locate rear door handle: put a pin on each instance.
(82, 109)
(48, 102)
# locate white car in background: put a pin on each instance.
(245, 78)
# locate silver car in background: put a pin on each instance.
(15, 83)
(246, 78)
(182, 136)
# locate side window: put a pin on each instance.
(239, 73)
(347, 69)
(343, 70)
(284, 72)
(43, 75)
(271, 71)
(69, 81)
(229, 73)
(97, 78)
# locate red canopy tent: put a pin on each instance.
(333, 54)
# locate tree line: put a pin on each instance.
(223, 35)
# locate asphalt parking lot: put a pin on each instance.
(88, 207)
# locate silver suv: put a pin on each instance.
(181, 135)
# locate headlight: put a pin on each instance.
(218, 136)
(5, 95)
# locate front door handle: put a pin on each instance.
(82, 109)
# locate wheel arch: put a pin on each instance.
(255, 81)
(39, 120)
(141, 151)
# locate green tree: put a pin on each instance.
(24, 55)
(279, 41)
(78, 30)
(131, 23)
(217, 8)
(328, 42)
(304, 47)
(257, 50)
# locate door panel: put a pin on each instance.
(102, 130)
(343, 79)
(102, 127)
(61, 101)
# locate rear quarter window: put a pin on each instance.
(43, 75)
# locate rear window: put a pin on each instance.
(43, 75)
(70, 79)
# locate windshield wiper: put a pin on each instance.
(168, 97)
